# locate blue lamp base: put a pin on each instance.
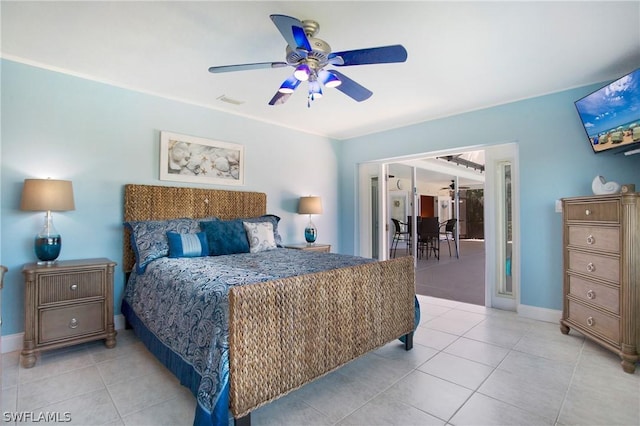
(47, 248)
(310, 234)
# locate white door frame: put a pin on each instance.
(493, 155)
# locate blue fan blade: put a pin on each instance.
(291, 83)
(243, 67)
(280, 98)
(351, 88)
(374, 55)
(292, 31)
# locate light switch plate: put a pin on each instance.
(558, 206)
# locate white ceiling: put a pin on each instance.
(462, 56)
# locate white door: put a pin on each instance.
(502, 228)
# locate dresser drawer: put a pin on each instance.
(601, 211)
(70, 286)
(594, 237)
(595, 321)
(74, 320)
(606, 297)
(595, 265)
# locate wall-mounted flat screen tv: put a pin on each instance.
(611, 114)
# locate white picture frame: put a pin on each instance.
(194, 159)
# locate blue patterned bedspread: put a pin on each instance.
(183, 303)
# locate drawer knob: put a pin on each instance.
(587, 212)
(591, 240)
(73, 323)
(591, 267)
(591, 294)
(591, 322)
(74, 287)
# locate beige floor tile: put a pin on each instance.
(54, 363)
(413, 358)
(93, 408)
(9, 399)
(377, 371)
(433, 338)
(337, 395)
(430, 394)
(177, 411)
(505, 337)
(10, 373)
(39, 393)
(144, 391)
(460, 371)
(482, 410)
(386, 411)
(139, 362)
(474, 350)
(534, 384)
(452, 326)
(289, 411)
(566, 350)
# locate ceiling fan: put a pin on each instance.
(452, 186)
(309, 56)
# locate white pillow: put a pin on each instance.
(260, 236)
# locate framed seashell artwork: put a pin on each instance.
(198, 160)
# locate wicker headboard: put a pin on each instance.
(150, 202)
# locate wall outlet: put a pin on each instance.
(558, 206)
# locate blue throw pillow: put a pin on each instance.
(149, 238)
(225, 237)
(187, 245)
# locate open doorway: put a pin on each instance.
(486, 251)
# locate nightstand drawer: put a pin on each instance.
(587, 318)
(602, 211)
(595, 265)
(71, 286)
(598, 294)
(59, 323)
(594, 237)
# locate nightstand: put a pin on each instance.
(67, 303)
(324, 248)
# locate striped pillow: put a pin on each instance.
(187, 245)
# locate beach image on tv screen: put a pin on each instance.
(611, 115)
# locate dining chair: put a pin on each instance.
(401, 233)
(429, 237)
(449, 234)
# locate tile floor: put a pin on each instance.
(469, 366)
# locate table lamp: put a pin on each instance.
(310, 205)
(47, 195)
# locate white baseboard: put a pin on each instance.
(13, 342)
(540, 314)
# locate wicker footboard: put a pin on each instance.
(288, 332)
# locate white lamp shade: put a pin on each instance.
(310, 205)
(47, 195)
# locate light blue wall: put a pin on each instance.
(556, 161)
(101, 137)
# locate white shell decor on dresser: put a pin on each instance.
(599, 186)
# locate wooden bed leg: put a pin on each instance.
(243, 421)
(408, 341)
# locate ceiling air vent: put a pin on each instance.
(225, 98)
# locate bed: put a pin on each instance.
(241, 330)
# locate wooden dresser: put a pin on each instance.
(67, 303)
(601, 298)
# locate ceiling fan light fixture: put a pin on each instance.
(329, 79)
(315, 91)
(302, 72)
